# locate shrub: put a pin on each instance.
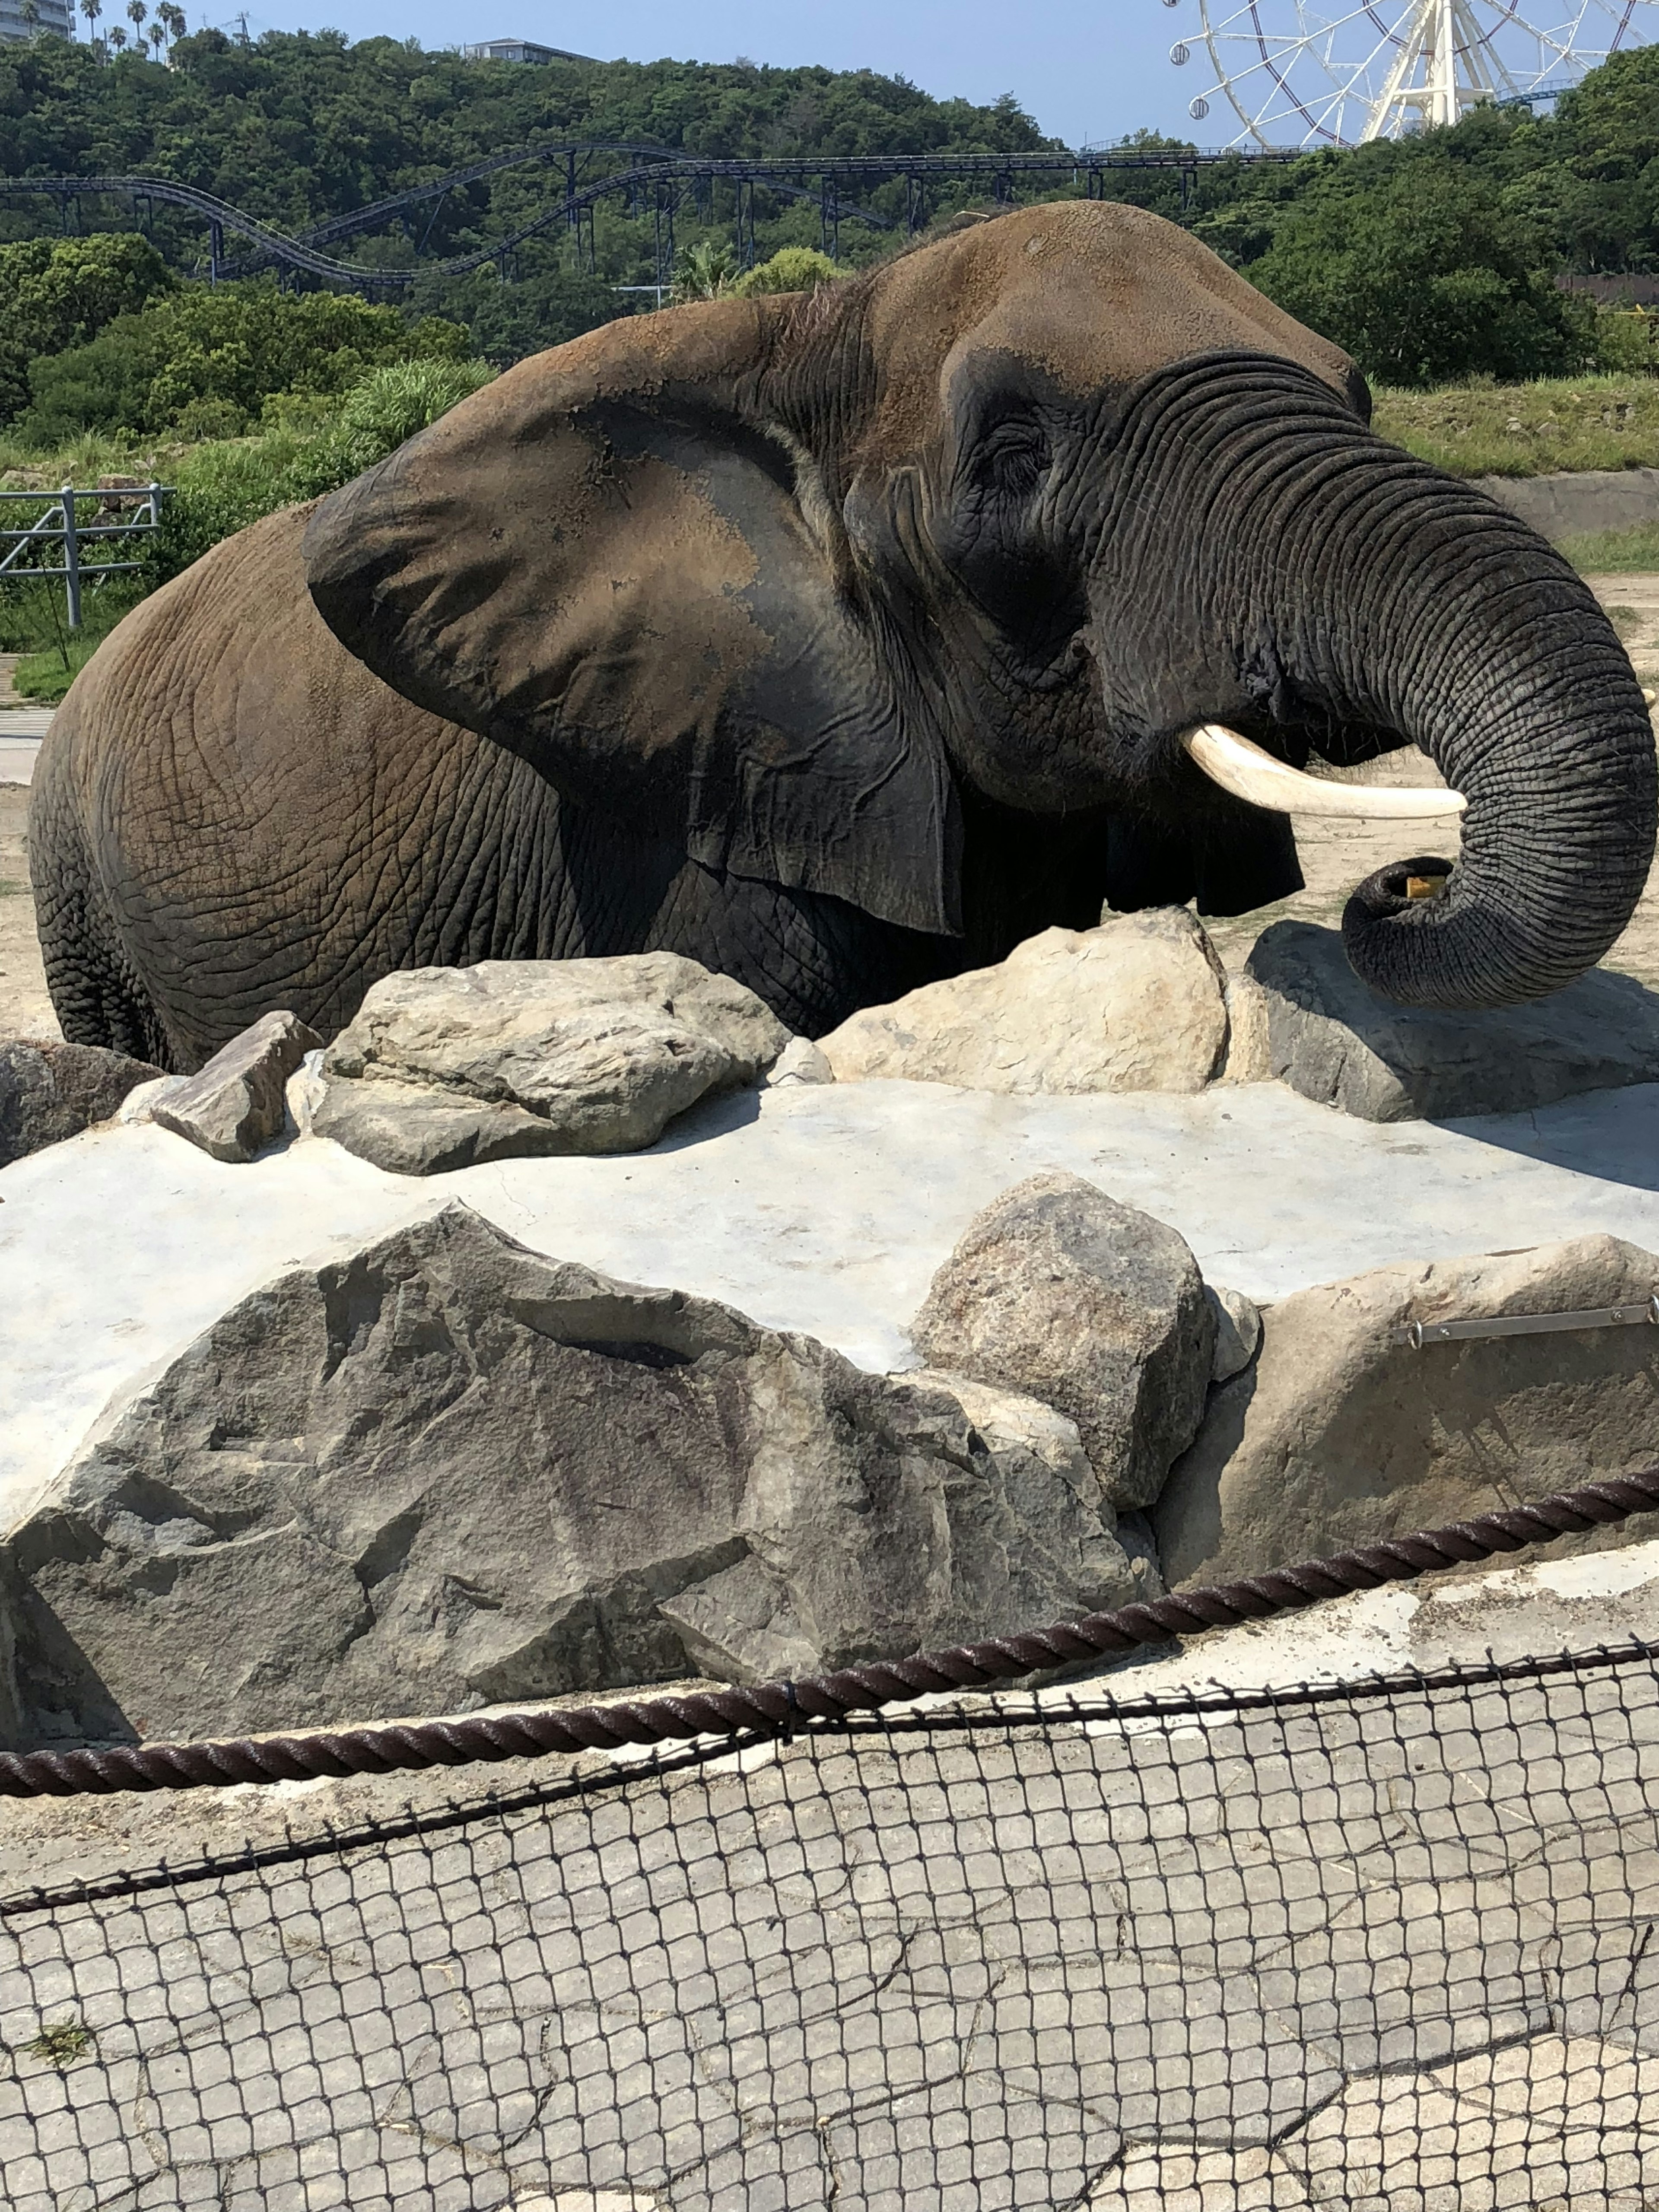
(61, 293)
(1624, 343)
(215, 356)
(223, 487)
(792, 269)
(392, 404)
(704, 271)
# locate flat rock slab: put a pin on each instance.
(445, 1067)
(824, 1208)
(1336, 1042)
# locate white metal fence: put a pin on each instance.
(69, 521)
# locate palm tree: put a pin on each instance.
(158, 38)
(706, 271)
(92, 9)
(31, 15)
(136, 12)
(118, 37)
(174, 17)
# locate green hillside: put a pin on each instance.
(1431, 258)
(299, 128)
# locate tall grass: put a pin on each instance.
(1615, 552)
(82, 461)
(1528, 429)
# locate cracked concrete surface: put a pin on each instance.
(1391, 1953)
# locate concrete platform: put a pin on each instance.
(825, 1210)
(20, 732)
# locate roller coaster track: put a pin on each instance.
(659, 182)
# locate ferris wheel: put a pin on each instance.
(1334, 74)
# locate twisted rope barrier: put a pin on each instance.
(776, 1707)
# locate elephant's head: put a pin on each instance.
(1009, 519)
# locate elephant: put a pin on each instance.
(841, 641)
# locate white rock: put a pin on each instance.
(1249, 1055)
(306, 1092)
(139, 1106)
(801, 1061)
(1237, 1332)
(1135, 1005)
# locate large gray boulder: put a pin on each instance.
(1057, 1291)
(1340, 1434)
(443, 1067)
(1332, 1039)
(50, 1090)
(1136, 1005)
(446, 1472)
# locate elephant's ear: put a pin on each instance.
(601, 561)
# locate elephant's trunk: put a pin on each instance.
(1367, 591)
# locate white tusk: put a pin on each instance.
(1255, 776)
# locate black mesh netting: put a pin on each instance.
(1386, 1946)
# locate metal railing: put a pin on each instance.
(59, 529)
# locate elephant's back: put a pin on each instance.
(261, 817)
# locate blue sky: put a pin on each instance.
(1085, 69)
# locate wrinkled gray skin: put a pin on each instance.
(839, 642)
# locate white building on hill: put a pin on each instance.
(58, 15)
(496, 50)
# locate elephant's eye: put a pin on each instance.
(1013, 459)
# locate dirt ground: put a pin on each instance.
(1335, 855)
(25, 1008)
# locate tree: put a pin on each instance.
(30, 12)
(1423, 277)
(63, 292)
(92, 9)
(705, 271)
(117, 37)
(158, 38)
(136, 12)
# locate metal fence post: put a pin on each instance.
(71, 559)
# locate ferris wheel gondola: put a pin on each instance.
(1293, 73)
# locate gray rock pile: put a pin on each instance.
(445, 1471)
(50, 1090)
(444, 1067)
(448, 1471)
